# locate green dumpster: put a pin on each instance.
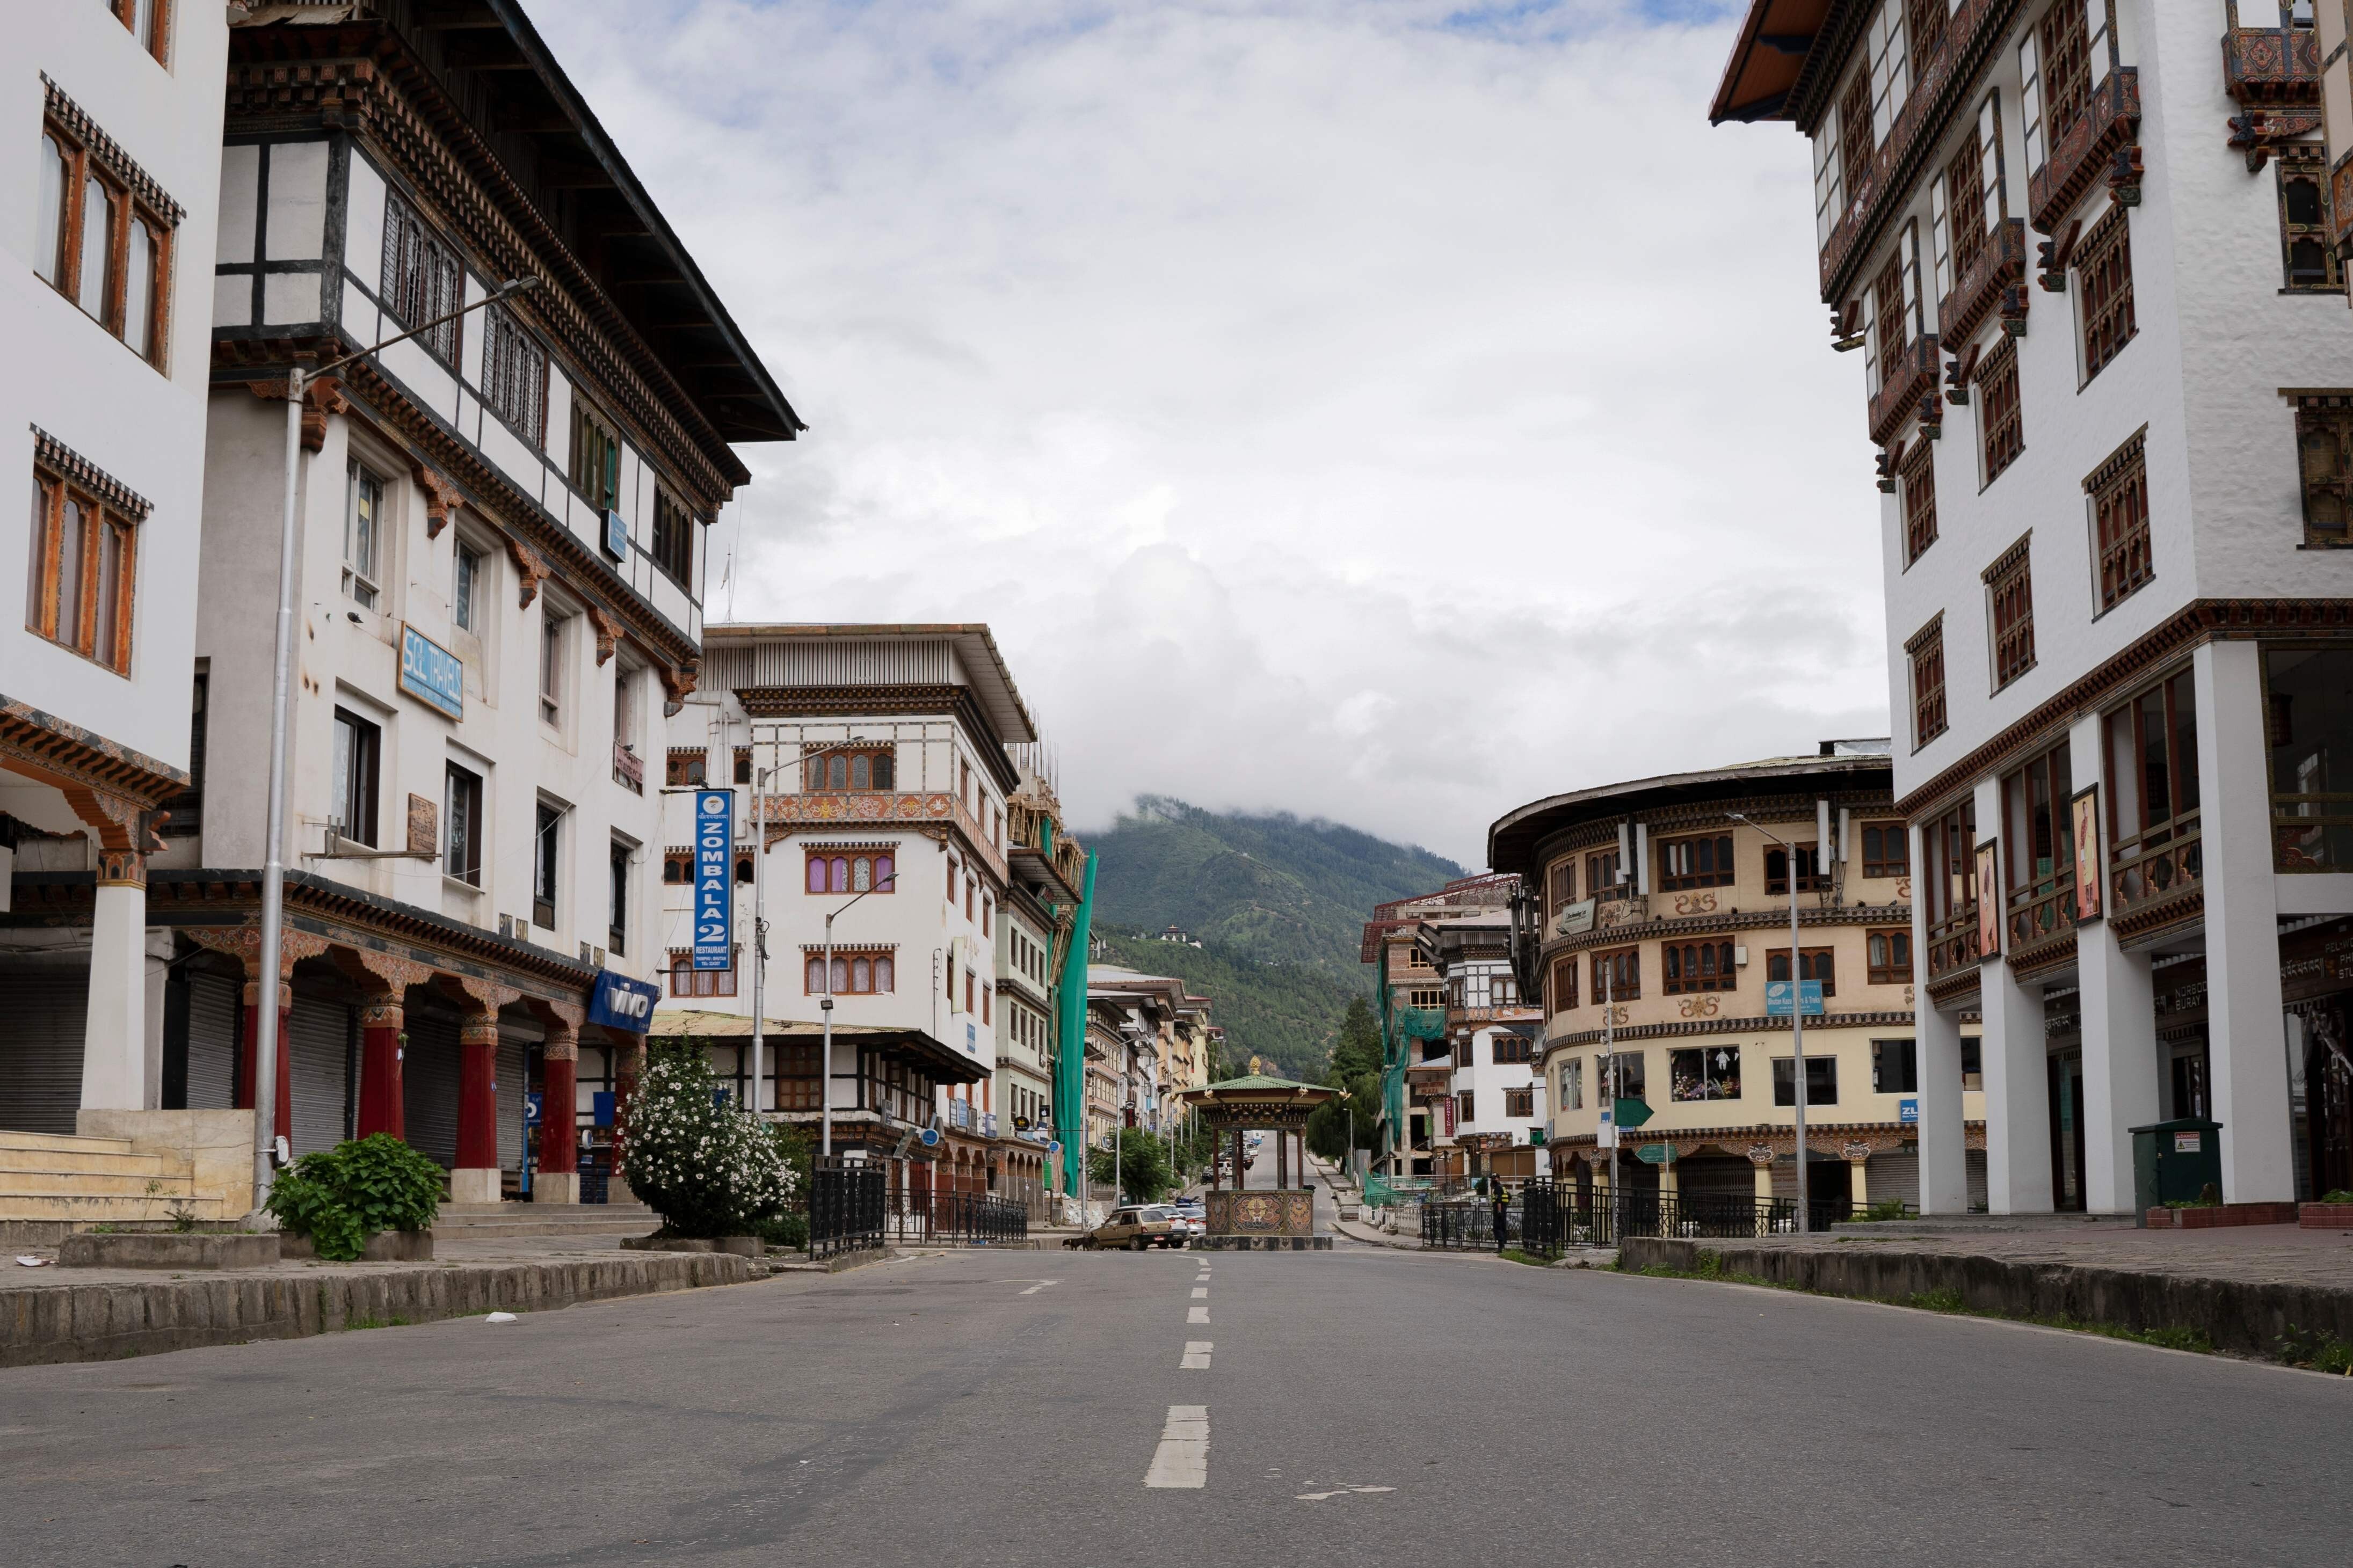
(2174, 1162)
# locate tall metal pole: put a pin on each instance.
(266, 1044)
(1610, 1053)
(824, 1051)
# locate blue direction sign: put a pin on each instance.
(714, 872)
(432, 673)
(1776, 998)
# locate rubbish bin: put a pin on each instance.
(2174, 1162)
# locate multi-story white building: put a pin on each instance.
(1496, 1040)
(876, 756)
(1418, 1112)
(105, 308)
(2115, 452)
(500, 567)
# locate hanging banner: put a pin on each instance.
(2086, 809)
(1989, 903)
(714, 871)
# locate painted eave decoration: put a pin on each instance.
(1767, 57)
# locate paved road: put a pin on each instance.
(963, 1411)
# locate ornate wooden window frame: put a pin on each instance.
(90, 155)
(2107, 322)
(1924, 658)
(2307, 163)
(2122, 561)
(2001, 420)
(114, 511)
(2009, 611)
(1918, 490)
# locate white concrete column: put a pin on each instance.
(114, 1033)
(2246, 1035)
(2016, 1061)
(2119, 1009)
(1936, 1036)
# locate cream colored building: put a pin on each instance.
(1656, 920)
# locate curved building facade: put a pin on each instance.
(1659, 913)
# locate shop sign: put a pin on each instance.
(1907, 1111)
(1575, 919)
(1780, 1004)
(432, 673)
(714, 871)
(621, 1003)
(531, 1103)
(617, 535)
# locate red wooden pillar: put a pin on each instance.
(1282, 1159)
(249, 1046)
(475, 1177)
(559, 1099)
(382, 1095)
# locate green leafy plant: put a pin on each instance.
(1143, 1174)
(785, 1231)
(2339, 1196)
(706, 1165)
(2316, 1351)
(341, 1196)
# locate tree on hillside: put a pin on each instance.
(1355, 1068)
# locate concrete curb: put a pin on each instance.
(69, 1322)
(2249, 1317)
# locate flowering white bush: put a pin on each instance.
(704, 1165)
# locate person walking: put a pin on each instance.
(1502, 1210)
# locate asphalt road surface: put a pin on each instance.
(1354, 1407)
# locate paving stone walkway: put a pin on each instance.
(2267, 1254)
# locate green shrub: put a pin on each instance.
(703, 1164)
(784, 1230)
(2338, 1197)
(341, 1196)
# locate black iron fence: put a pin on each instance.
(1549, 1218)
(847, 1209)
(956, 1219)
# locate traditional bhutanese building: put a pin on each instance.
(1417, 1114)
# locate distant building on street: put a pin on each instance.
(1419, 1114)
(1495, 1035)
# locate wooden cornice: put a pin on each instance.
(2202, 620)
(68, 756)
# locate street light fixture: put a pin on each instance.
(1797, 1014)
(266, 1044)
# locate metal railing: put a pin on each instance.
(956, 1219)
(847, 1206)
(1550, 1218)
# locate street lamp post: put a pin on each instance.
(266, 1044)
(1797, 1014)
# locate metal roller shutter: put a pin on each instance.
(41, 1048)
(429, 1081)
(1715, 1178)
(1975, 1165)
(509, 1103)
(318, 1039)
(1887, 1177)
(213, 1002)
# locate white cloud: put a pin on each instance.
(1331, 408)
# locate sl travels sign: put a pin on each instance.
(714, 870)
(432, 673)
(621, 1003)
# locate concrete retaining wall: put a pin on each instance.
(66, 1321)
(2246, 1316)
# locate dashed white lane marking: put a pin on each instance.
(1201, 1292)
(1196, 1314)
(1196, 1356)
(1182, 1457)
(1338, 1491)
(1034, 1288)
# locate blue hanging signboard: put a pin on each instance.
(1778, 999)
(714, 899)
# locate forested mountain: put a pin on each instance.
(1278, 905)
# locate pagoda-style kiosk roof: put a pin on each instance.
(1278, 1219)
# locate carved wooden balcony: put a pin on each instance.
(1972, 33)
(1953, 943)
(2266, 65)
(1911, 383)
(2041, 928)
(1977, 293)
(2157, 877)
(2084, 154)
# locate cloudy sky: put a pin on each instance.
(1380, 410)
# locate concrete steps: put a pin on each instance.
(54, 1176)
(486, 1221)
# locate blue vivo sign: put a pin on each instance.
(432, 673)
(621, 1003)
(714, 897)
(1776, 998)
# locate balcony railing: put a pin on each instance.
(2040, 915)
(1930, 78)
(2269, 64)
(1952, 942)
(1910, 382)
(2165, 860)
(2001, 264)
(2108, 122)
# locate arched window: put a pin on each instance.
(882, 975)
(861, 975)
(884, 869)
(841, 974)
(815, 975)
(816, 875)
(861, 875)
(862, 771)
(837, 772)
(840, 874)
(744, 869)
